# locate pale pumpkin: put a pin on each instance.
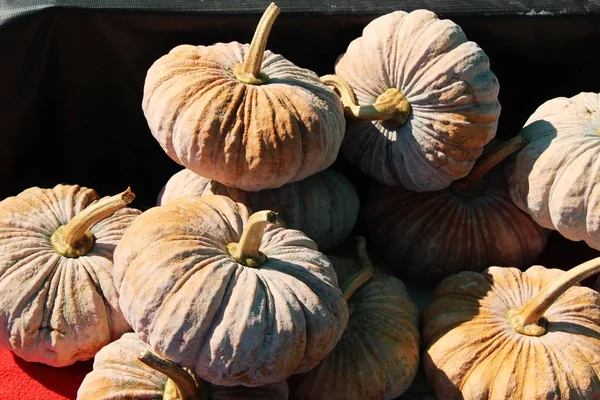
(471, 225)
(243, 116)
(127, 369)
(507, 334)
(426, 101)
(555, 177)
(378, 355)
(233, 297)
(58, 302)
(323, 206)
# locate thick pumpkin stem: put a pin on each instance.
(361, 277)
(250, 71)
(246, 251)
(529, 320)
(391, 107)
(179, 379)
(489, 160)
(74, 239)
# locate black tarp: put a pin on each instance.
(72, 72)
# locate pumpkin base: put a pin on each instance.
(82, 247)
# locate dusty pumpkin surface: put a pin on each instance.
(55, 309)
(323, 206)
(118, 374)
(378, 354)
(473, 350)
(429, 236)
(555, 178)
(186, 296)
(451, 91)
(251, 130)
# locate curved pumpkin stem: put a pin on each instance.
(250, 71)
(185, 385)
(529, 320)
(361, 277)
(391, 107)
(74, 239)
(246, 251)
(488, 161)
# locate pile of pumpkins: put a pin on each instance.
(222, 291)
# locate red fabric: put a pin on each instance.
(22, 380)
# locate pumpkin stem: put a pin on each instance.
(362, 276)
(74, 239)
(489, 160)
(250, 71)
(529, 320)
(391, 107)
(246, 251)
(187, 388)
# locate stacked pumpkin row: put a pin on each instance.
(226, 303)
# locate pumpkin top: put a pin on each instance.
(258, 321)
(241, 115)
(520, 325)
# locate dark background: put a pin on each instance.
(72, 72)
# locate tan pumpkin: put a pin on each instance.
(243, 116)
(378, 355)
(426, 101)
(233, 297)
(554, 178)
(471, 225)
(58, 302)
(323, 206)
(507, 334)
(127, 369)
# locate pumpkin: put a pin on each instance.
(243, 116)
(429, 236)
(232, 296)
(505, 334)
(58, 302)
(127, 369)
(554, 177)
(424, 100)
(323, 206)
(378, 354)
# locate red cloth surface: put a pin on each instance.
(22, 380)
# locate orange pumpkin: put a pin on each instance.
(243, 116)
(58, 302)
(233, 297)
(507, 334)
(127, 369)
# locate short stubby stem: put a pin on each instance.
(529, 320)
(180, 385)
(246, 251)
(391, 108)
(74, 239)
(249, 71)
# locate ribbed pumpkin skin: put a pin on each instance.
(250, 137)
(448, 82)
(554, 178)
(53, 309)
(431, 235)
(473, 353)
(323, 206)
(195, 305)
(378, 354)
(119, 375)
